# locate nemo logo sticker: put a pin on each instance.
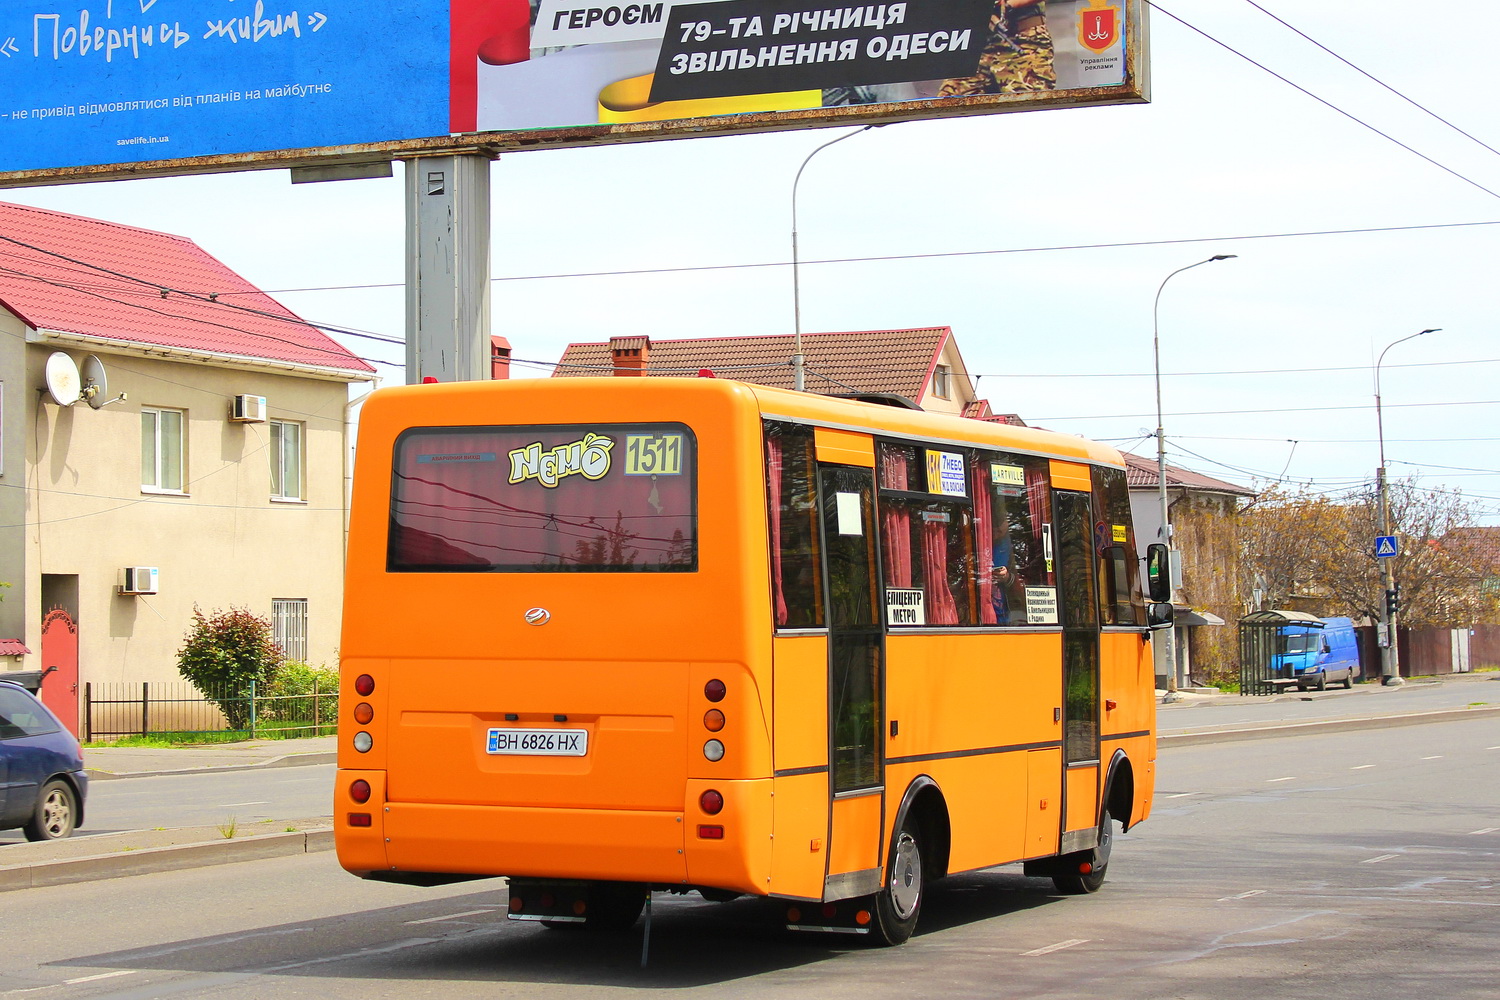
(588, 457)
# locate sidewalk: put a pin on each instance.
(104, 763)
(1195, 718)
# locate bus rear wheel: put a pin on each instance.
(899, 902)
(1073, 880)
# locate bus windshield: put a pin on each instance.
(559, 498)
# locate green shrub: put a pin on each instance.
(223, 654)
(291, 693)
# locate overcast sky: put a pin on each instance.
(1041, 238)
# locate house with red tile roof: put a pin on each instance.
(158, 413)
(920, 365)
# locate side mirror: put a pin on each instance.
(1158, 615)
(1158, 573)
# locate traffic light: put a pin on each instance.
(1393, 602)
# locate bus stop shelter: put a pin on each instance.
(1260, 641)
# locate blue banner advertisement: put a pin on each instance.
(126, 81)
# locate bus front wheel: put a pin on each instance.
(1074, 880)
(900, 901)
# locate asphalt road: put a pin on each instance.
(243, 799)
(1362, 865)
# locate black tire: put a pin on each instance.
(1077, 883)
(56, 812)
(899, 902)
(1322, 680)
(1349, 681)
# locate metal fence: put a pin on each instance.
(114, 710)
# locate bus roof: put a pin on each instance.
(800, 407)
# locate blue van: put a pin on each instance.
(1314, 652)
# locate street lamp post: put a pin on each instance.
(1390, 655)
(799, 368)
(1165, 532)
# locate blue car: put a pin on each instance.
(42, 781)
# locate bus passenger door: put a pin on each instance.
(1080, 674)
(856, 680)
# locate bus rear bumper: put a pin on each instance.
(608, 844)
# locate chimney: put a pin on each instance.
(499, 358)
(628, 354)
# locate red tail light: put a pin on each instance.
(715, 690)
(711, 832)
(711, 802)
(359, 819)
(364, 684)
(359, 790)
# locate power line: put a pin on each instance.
(1323, 101)
(1372, 77)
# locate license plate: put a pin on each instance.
(539, 742)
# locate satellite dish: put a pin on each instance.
(95, 382)
(63, 383)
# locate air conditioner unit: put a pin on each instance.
(248, 409)
(138, 580)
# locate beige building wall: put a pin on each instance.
(224, 541)
(960, 385)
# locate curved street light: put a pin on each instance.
(1165, 532)
(799, 377)
(1390, 655)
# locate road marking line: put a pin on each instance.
(1243, 895)
(1434, 757)
(1272, 781)
(1383, 857)
(232, 805)
(1488, 829)
(1179, 795)
(451, 916)
(1054, 947)
(102, 975)
(1360, 767)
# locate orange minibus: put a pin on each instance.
(613, 636)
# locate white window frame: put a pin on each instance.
(277, 446)
(289, 626)
(942, 381)
(158, 451)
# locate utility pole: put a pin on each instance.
(448, 268)
(1390, 654)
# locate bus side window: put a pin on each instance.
(926, 543)
(1011, 497)
(792, 511)
(1119, 575)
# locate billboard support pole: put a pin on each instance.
(448, 268)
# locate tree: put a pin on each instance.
(223, 653)
(1304, 544)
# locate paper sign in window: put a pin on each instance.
(846, 509)
(1041, 605)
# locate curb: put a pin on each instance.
(1165, 740)
(289, 760)
(162, 859)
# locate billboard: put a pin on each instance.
(98, 89)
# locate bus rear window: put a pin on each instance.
(601, 498)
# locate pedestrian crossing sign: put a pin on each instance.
(1385, 546)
